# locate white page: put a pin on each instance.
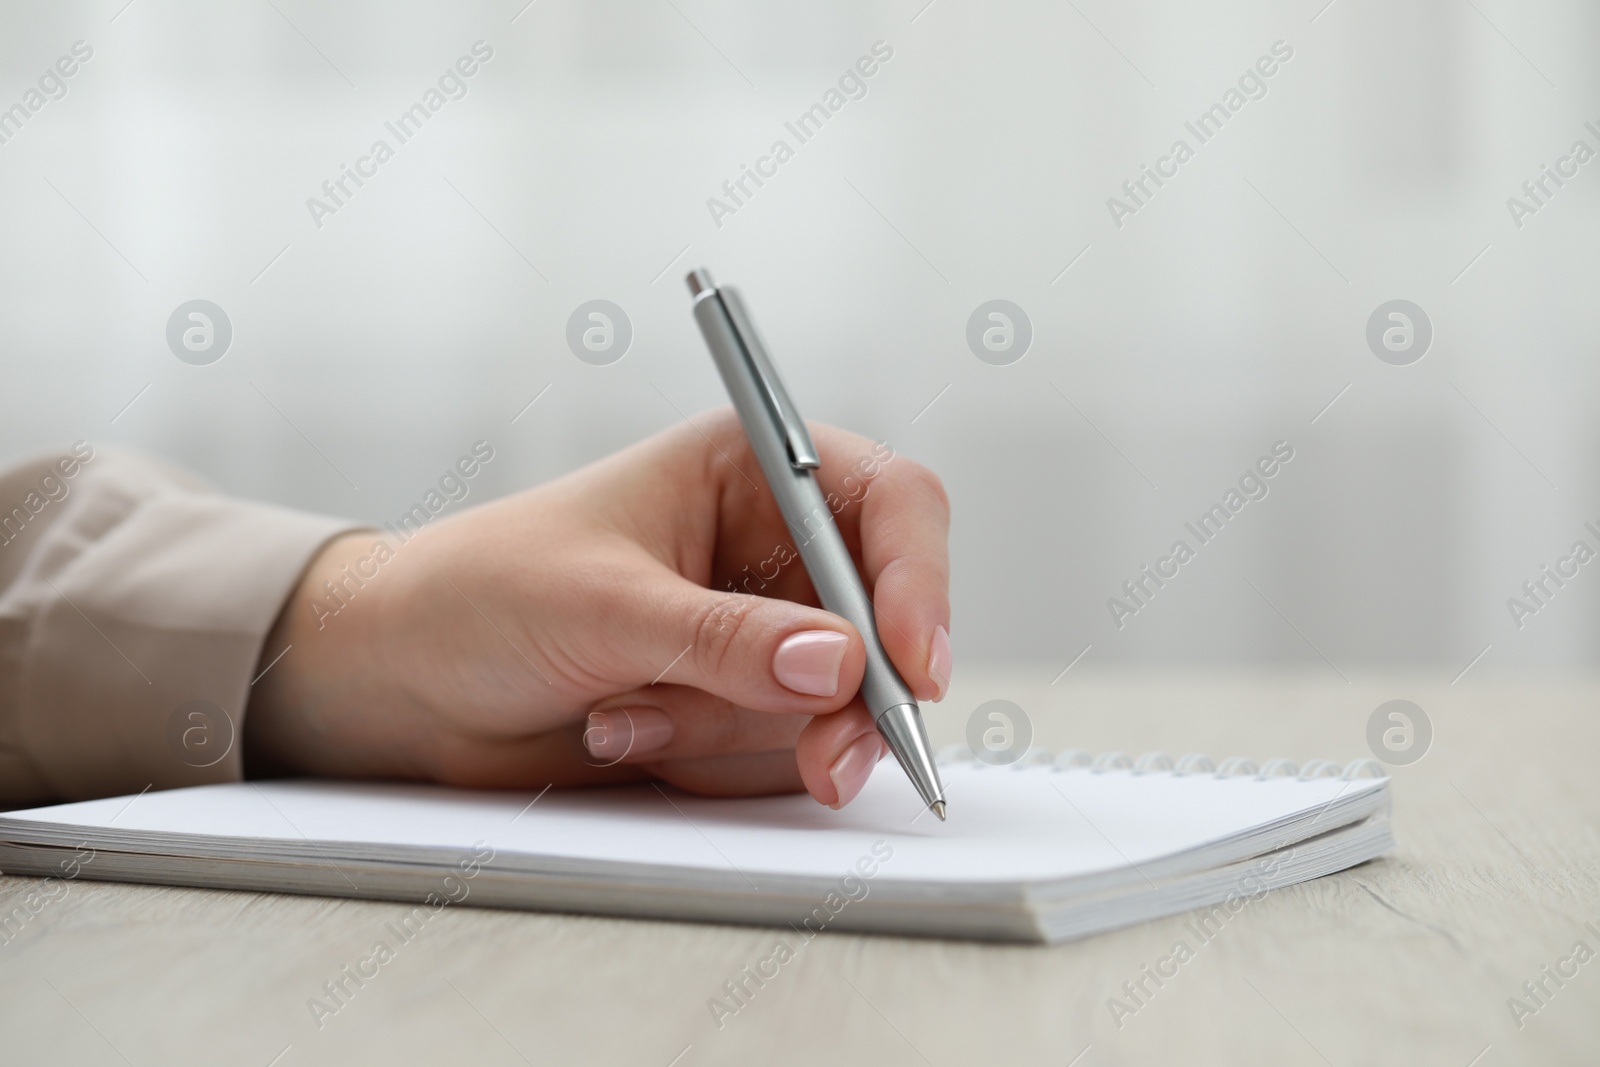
(1005, 824)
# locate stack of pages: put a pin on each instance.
(1042, 852)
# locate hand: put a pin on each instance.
(584, 631)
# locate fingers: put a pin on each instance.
(902, 523)
(754, 652)
(837, 753)
(892, 511)
(691, 739)
(667, 725)
(674, 722)
(744, 775)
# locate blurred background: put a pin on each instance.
(371, 346)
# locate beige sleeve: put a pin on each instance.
(134, 604)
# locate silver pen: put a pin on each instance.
(783, 447)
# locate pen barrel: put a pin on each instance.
(839, 587)
(800, 499)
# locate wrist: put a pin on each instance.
(323, 702)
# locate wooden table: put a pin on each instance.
(1408, 960)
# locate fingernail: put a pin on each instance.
(620, 732)
(809, 662)
(853, 767)
(939, 661)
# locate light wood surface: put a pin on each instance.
(1407, 960)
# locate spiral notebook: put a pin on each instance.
(1046, 850)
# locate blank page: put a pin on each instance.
(1006, 824)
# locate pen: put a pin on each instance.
(783, 447)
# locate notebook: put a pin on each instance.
(1046, 850)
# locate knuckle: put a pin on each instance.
(920, 487)
(720, 426)
(717, 438)
(718, 628)
(722, 419)
(925, 484)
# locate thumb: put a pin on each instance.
(755, 652)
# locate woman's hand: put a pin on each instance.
(584, 631)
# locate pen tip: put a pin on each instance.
(938, 809)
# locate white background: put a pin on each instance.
(1222, 318)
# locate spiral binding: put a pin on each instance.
(1194, 763)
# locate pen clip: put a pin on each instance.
(802, 453)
